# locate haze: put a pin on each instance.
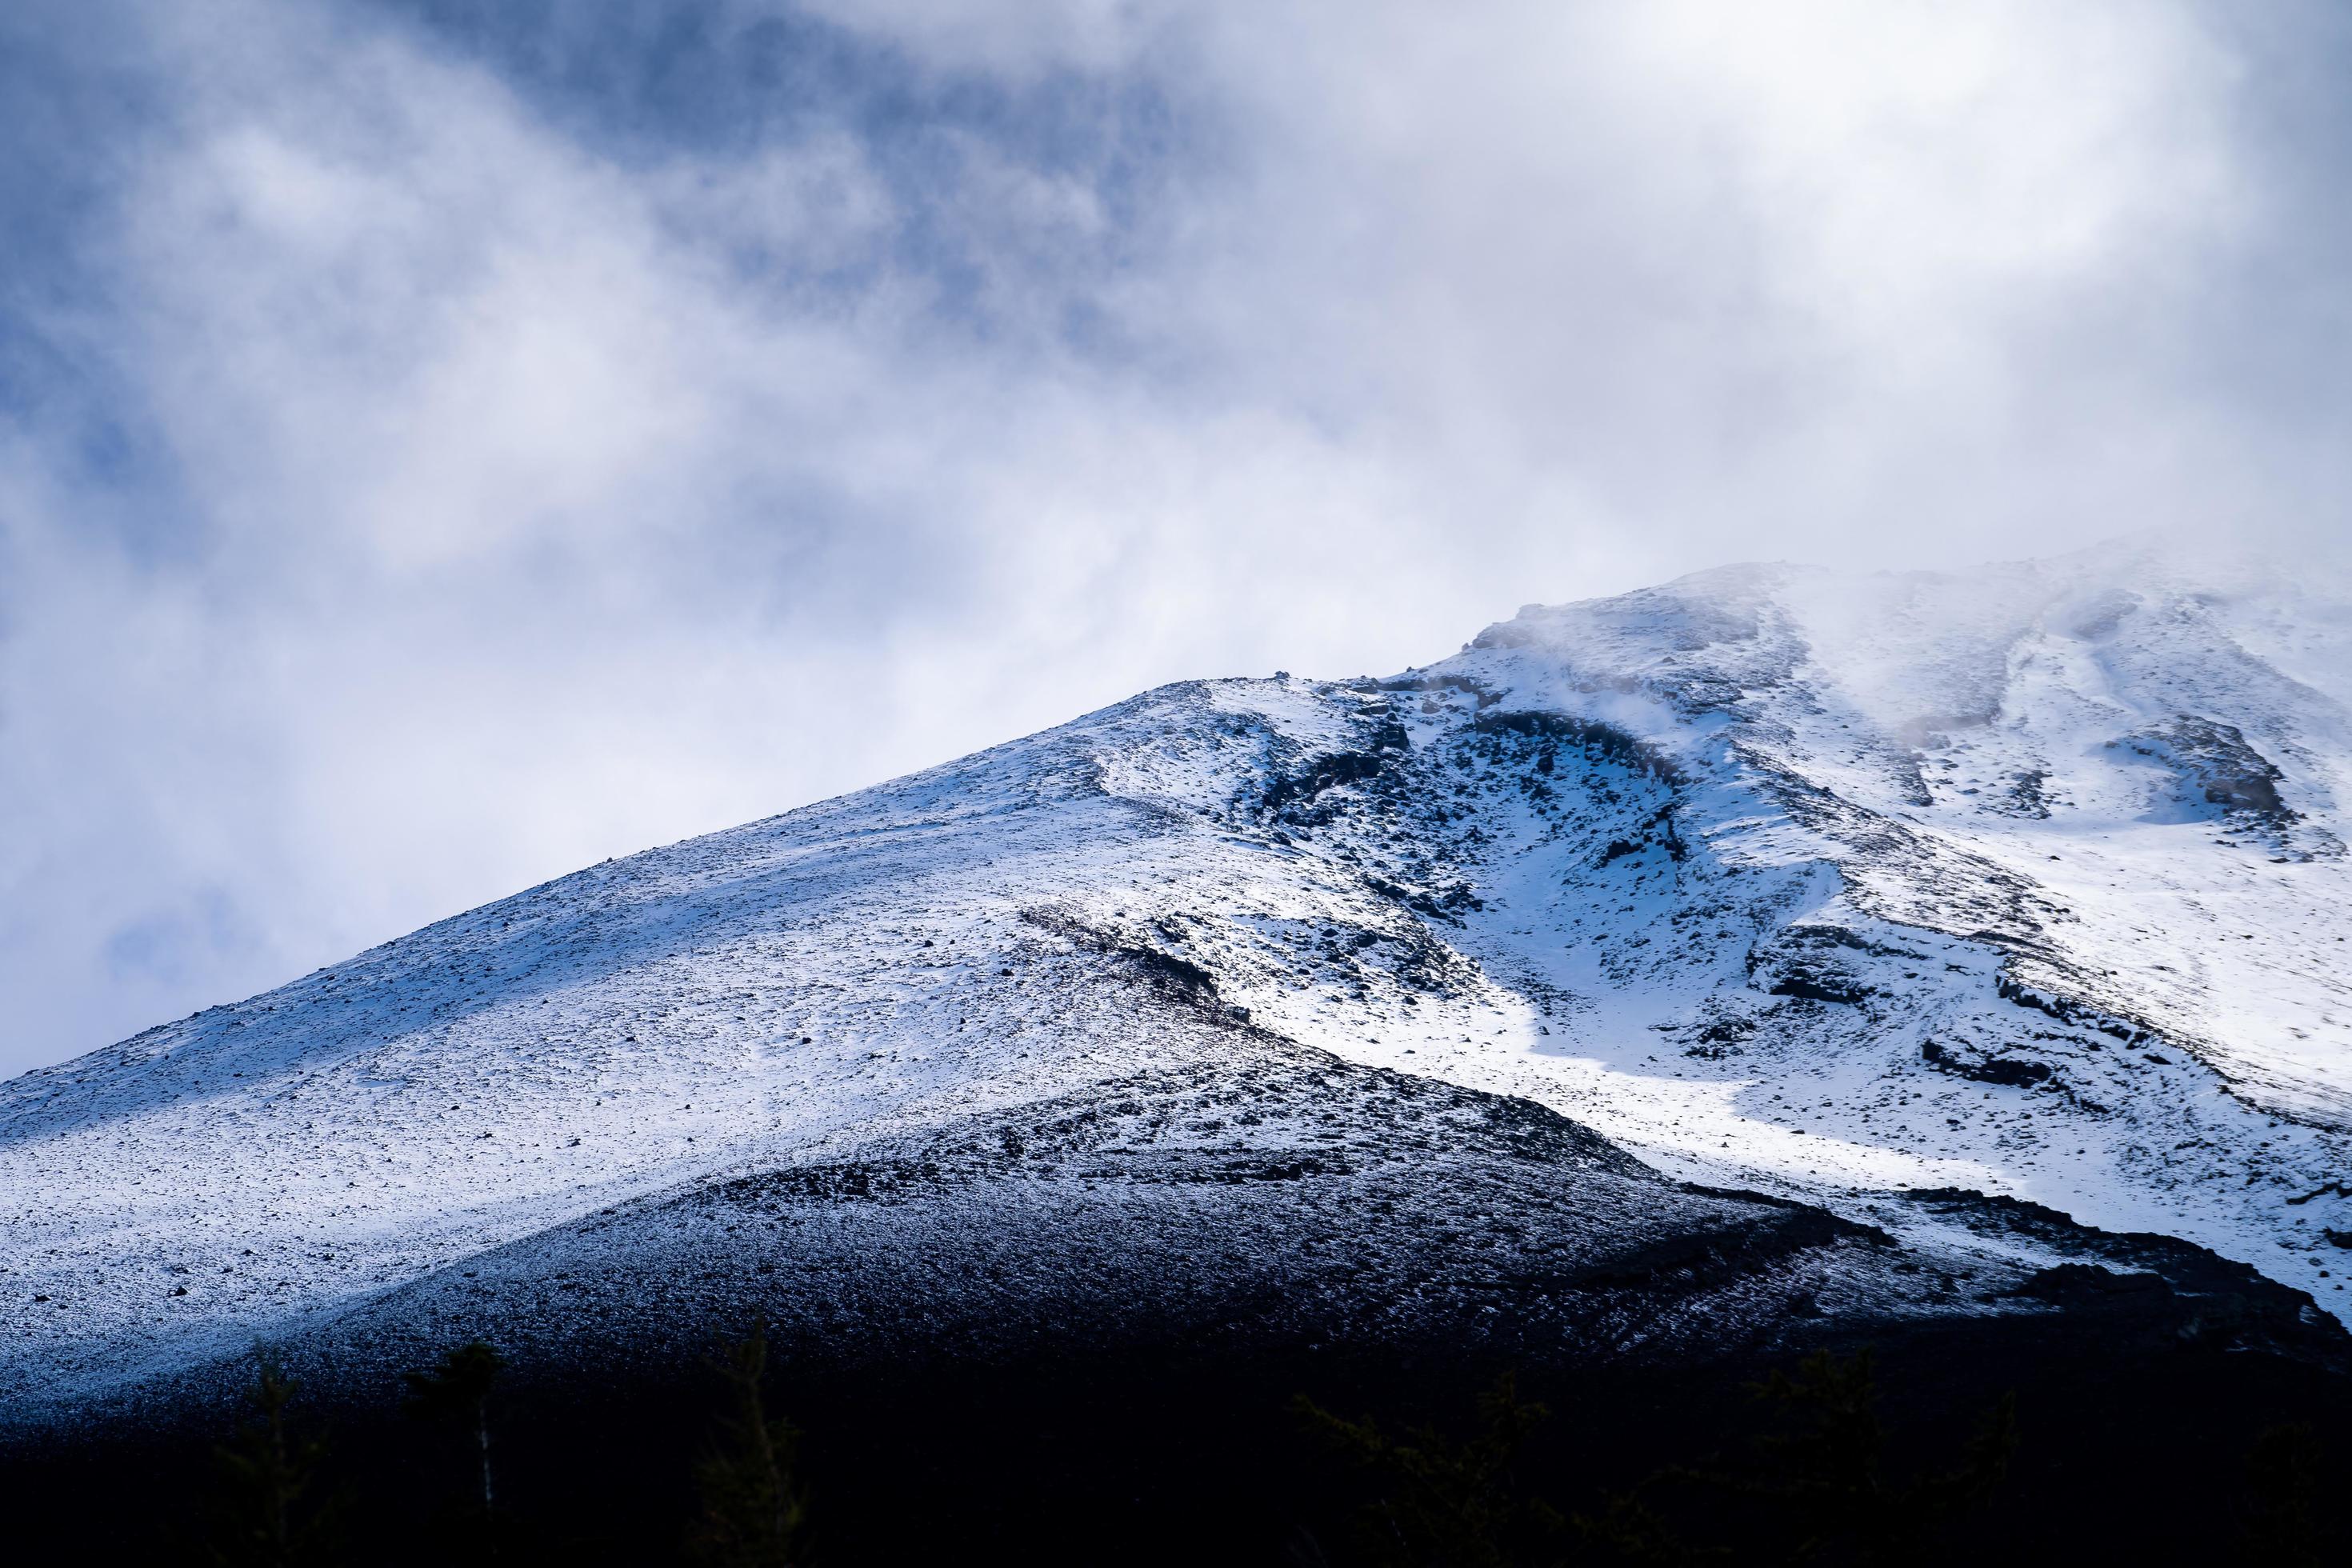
(443, 446)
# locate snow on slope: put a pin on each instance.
(2026, 880)
(2086, 897)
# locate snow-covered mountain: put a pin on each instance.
(1867, 892)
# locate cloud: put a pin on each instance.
(449, 445)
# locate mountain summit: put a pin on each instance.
(1773, 946)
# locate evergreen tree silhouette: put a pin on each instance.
(2281, 1527)
(1628, 1528)
(1814, 1490)
(754, 1513)
(457, 1390)
(1446, 1502)
(268, 1510)
(1822, 1482)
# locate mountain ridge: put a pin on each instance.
(1826, 888)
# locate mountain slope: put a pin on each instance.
(2026, 882)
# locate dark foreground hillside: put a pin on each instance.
(1077, 1331)
(2127, 1448)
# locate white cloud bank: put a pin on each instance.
(507, 495)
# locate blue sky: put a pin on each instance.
(443, 444)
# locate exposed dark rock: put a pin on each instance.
(1323, 772)
(1605, 740)
(1814, 987)
(2217, 765)
(2014, 1072)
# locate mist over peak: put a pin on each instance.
(446, 447)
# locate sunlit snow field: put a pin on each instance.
(2028, 881)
